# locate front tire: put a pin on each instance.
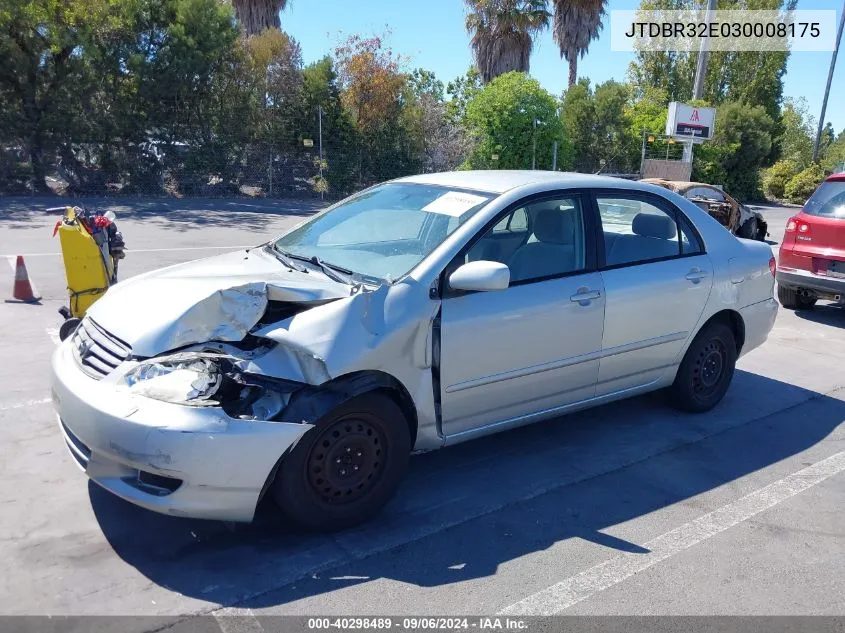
(706, 371)
(68, 327)
(345, 469)
(790, 299)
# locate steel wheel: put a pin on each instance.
(705, 373)
(709, 367)
(345, 469)
(346, 461)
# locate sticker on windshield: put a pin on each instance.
(454, 203)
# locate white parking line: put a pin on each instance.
(53, 333)
(12, 258)
(22, 405)
(234, 620)
(573, 590)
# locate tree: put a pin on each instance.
(45, 75)
(423, 82)
(803, 184)
(375, 93)
(798, 127)
(576, 24)
(753, 77)
(600, 125)
(258, 15)
(501, 119)
(321, 90)
(833, 158)
(461, 91)
(742, 144)
(503, 34)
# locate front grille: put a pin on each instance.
(78, 450)
(97, 351)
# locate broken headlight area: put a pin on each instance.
(247, 396)
(191, 379)
(203, 379)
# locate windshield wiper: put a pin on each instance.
(343, 275)
(287, 259)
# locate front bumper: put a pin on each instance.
(822, 286)
(178, 460)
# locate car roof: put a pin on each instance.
(499, 181)
(836, 177)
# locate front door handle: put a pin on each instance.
(696, 275)
(584, 296)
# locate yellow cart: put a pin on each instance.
(91, 247)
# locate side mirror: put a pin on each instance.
(481, 276)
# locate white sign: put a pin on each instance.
(689, 121)
(454, 203)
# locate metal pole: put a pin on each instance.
(534, 148)
(703, 56)
(320, 131)
(829, 79)
(642, 153)
(554, 157)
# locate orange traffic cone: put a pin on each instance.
(23, 290)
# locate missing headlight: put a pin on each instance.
(251, 397)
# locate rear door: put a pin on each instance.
(657, 279)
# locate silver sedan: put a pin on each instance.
(413, 315)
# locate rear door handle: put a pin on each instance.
(585, 295)
(696, 275)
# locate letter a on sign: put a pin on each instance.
(694, 116)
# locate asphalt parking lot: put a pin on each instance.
(628, 509)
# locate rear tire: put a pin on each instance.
(346, 468)
(789, 298)
(749, 229)
(706, 371)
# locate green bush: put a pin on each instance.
(802, 185)
(777, 176)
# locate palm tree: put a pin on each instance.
(257, 15)
(576, 24)
(503, 33)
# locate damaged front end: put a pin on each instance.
(215, 375)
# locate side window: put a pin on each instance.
(690, 244)
(516, 222)
(636, 231)
(555, 247)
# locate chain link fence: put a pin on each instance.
(180, 170)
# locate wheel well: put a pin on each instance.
(361, 382)
(733, 320)
(356, 384)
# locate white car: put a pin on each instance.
(413, 315)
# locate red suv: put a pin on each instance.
(811, 265)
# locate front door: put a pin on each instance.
(505, 355)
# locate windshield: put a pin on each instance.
(383, 232)
(828, 200)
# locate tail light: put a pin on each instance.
(797, 225)
(773, 266)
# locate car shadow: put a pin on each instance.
(824, 313)
(466, 510)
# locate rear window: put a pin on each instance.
(828, 200)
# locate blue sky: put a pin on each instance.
(432, 35)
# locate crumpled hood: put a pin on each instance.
(219, 298)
